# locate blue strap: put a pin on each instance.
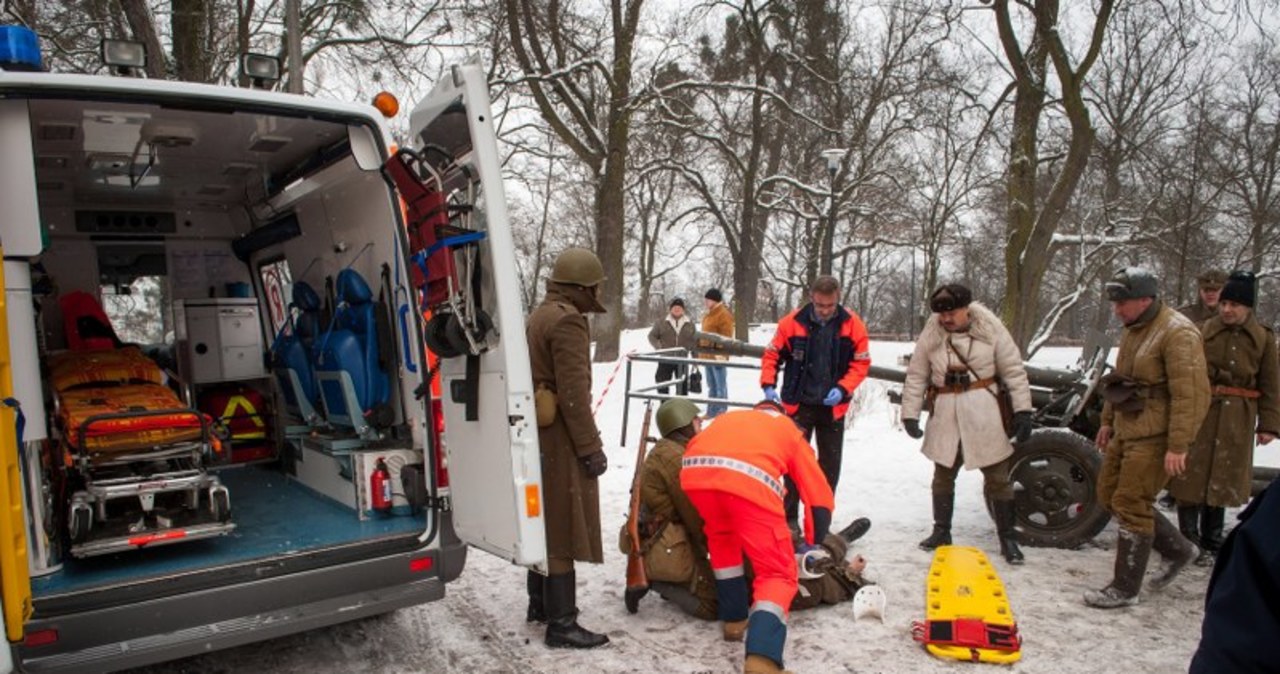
(454, 242)
(22, 419)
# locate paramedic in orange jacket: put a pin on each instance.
(732, 473)
(824, 354)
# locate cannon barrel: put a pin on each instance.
(1043, 379)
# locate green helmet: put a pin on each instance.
(578, 266)
(675, 414)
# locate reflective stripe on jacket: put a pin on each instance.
(747, 453)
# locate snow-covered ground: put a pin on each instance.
(479, 626)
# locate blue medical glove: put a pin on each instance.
(771, 393)
(834, 396)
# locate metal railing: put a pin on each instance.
(676, 356)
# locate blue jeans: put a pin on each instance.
(717, 387)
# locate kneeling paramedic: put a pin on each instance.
(732, 472)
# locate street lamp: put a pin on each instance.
(834, 157)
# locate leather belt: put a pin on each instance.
(1237, 392)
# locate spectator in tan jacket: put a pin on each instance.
(719, 321)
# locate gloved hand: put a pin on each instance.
(771, 394)
(1021, 426)
(912, 427)
(595, 464)
(835, 395)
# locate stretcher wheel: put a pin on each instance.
(81, 523)
(220, 504)
(436, 339)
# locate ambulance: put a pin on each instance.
(221, 422)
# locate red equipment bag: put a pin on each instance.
(428, 219)
(243, 410)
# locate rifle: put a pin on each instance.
(637, 579)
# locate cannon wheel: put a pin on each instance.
(1055, 476)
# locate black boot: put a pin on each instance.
(1211, 538)
(537, 612)
(1132, 552)
(1189, 525)
(563, 630)
(1176, 550)
(856, 529)
(1008, 535)
(943, 505)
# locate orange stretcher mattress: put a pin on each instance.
(112, 366)
(126, 433)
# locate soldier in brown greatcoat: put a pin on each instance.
(1155, 400)
(1209, 284)
(1241, 355)
(572, 452)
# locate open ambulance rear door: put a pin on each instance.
(477, 320)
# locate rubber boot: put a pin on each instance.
(563, 630)
(1176, 550)
(856, 529)
(1008, 535)
(1211, 538)
(943, 505)
(1132, 553)
(1189, 525)
(537, 612)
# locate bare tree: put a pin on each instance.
(588, 102)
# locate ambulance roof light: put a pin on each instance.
(263, 71)
(124, 55)
(19, 49)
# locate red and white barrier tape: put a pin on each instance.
(605, 392)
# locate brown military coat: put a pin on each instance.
(1197, 312)
(663, 500)
(1163, 352)
(1220, 465)
(560, 357)
(718, 321)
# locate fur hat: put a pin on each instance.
(1241, 287)
(677, 302)
(950, 297)
(714, 295)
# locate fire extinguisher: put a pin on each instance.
(380, 487)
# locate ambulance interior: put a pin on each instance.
(242, 273)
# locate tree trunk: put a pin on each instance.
(191, 62)
(143, 27)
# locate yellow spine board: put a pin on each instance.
(963, 584)
(15, 579)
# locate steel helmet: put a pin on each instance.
(578, 266)
(675, 414)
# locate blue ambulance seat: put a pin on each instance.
(293, 352)
(347, 356)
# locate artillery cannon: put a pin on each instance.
(1054, 473)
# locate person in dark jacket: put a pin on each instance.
(822, 353)
(1242, 606)
(674, 330)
